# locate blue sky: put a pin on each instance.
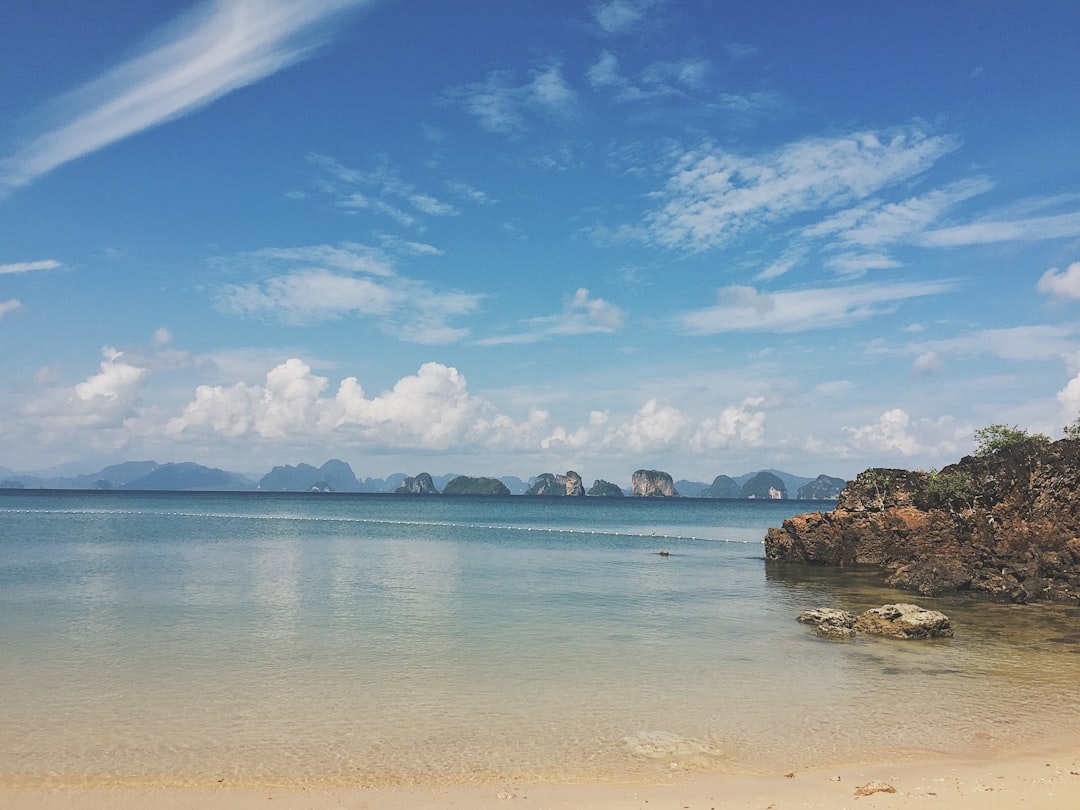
(510, 237)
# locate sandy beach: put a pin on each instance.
(1049, 780)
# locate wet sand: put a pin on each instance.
(1049, 780)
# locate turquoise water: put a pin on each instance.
(180, 638)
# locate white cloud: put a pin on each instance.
(929, 362)
(1033, 229)
(620, 16)
(581, 315)
(1069, 397)
(852, 265)
(380, 189)
(9, 306)
(1020, 343)
(713, 196)
(874, 223)
(1061, 283)
(102, 402)
(896, 433)
(747, 309)
(295, 289)
(29, 267)
(217, 48)
(503, 107)
(432, 410)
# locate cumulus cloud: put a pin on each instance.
(431, 409)
(897, 434)
(657, 80)
(743, 309)
(102, 401)
(1061, 283)
(499, 105)
(714, 196)
(213, 50)
(1069, 397)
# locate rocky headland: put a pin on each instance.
(1006, 524)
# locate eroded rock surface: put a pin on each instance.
(1007, 525)
(895, 621)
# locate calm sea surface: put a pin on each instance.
(368, 639)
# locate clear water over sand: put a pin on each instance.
(310, 639)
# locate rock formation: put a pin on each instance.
(652, 484)
(822, 488)
(1006, 524)
(765, 485)
(723, 486)
(558, 485)
(572, 482)
(468, 485)
(605, 489)
(420, 485)
(894, 621)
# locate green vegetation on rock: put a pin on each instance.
(467, 485)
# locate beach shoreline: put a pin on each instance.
(1049, 779)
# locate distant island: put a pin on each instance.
(336, 475)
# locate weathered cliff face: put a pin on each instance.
(572, 482)
(548, 484)
(652, 484)
(1007, 525)
(420, 485)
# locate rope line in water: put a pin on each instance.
(373, 521)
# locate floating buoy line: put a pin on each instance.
(379, 521)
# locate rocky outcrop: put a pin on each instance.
(574, 486)
(723, 486)
(895, 621)
(336, 474)
(605, 489)
(652, 484)
(557, 485)
(822, 488)
(765, 485)
(468, 485)
(420, 485)
(1006, 524)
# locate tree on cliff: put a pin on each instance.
(993, 438)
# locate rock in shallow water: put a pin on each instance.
(895, 621)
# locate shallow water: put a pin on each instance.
(375, 639)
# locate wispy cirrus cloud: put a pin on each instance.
(502, 106)
(745, 309)
(379, 189)
(29, 267)
(712, 197)
(1033, 229)
(204, 55)
(616, 17)
(581, 315)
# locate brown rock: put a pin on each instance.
(1007, 525)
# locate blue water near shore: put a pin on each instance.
(369, 639)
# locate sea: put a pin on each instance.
(341, 639)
